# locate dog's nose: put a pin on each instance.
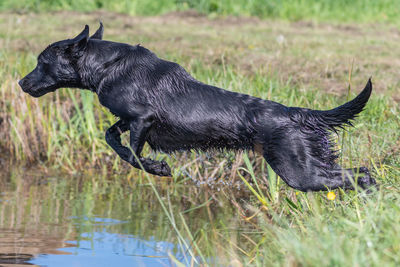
(22, 84)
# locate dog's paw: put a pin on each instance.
(159, 168)
(162, 168)
(368, 183)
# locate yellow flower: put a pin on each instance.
(331, 195)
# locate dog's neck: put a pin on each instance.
(100, 60)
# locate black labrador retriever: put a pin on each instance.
(161, 104)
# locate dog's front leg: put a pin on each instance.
(113, 138)
(139, 129)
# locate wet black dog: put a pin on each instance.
(161, 104)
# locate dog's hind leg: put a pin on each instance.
(301, 165)
(301, 177)
(360, 175)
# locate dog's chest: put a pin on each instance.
(119, 105)
(115, 107)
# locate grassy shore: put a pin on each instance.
(297, 64)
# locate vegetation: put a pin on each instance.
(264, 222)
(321, 10)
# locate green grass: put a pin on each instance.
(266, 223)
(321, 10)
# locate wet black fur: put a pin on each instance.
(161, 104)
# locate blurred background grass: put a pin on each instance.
(321, 10)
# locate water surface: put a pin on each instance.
(98, 220)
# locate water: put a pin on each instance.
(55, 220)
(108, 249)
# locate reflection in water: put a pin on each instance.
(102, 221)
(15, 259)
(29, 242)
(107, 249)
(99, 248)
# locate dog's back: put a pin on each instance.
(205, 117)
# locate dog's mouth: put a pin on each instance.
(38, 92)
(43, 91)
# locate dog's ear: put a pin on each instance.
(80, 41)
(99, 33)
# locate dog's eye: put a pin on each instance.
(43, 66)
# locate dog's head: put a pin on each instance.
(58, 65)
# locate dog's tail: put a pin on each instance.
(337, 117)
